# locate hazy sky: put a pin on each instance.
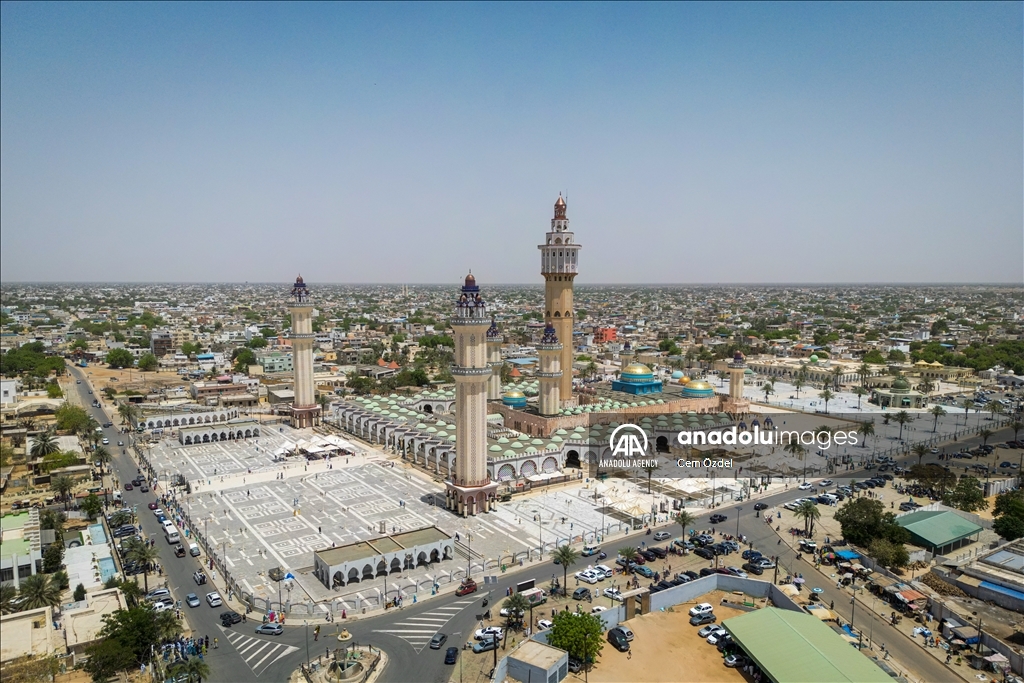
(698, 143)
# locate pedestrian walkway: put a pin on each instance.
(258, 653)
(418, 630)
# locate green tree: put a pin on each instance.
(808, 511)
(80, 345)
(888, 554)
(578, 634)
(92, 506)
(257, 343)
(107, 658)
(968, 404)
(38, 590)
(136, 631)
(931, 476)
(798, 383)
(148, 362)
(865, 519)
(102, 456)
(194, 669)
(1016, 426)
(243, 359)
(190, 348)
(515, 609)
(128, 413)
(53, 390)
(360, 384)
(120, 518)
(920, 450)
(874, 357)
(826, 396)
(967, 495)
(79, 593)
(937, 412)
(63, 485)
(53, 557)
(985, 435)
(866, 429)
(650, 469)
(797, 449)
(120, 358)
(628, 554)
(132, 592)
(860, 392)
(767, 389)
(505, 373)
(57, 460)
(72, 418)
(566, 556)
(53, 519)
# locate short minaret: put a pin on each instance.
(559, 267)
(470, 490)
(494, 361)
(550, 373)
(305, 410)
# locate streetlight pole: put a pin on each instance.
(738, 509)
(308, 662)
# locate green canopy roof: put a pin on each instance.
(937, 528)
(794, 647)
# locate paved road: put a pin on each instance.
(404, 633)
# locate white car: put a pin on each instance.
(588, 577)
(612, 593)
(605, 570)
(826, 482)
(806, 486)
(662, 536)
(701, 609)
(489, 632)
(504, 611)
(543, 624)
(716, 636)
(213, 599)
(160, 605)
(157, 512)
(597, 608)
(708, 630)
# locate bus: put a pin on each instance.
(170, 533)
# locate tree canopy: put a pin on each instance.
(967, 495)
(120, 358)
(865, 519)
(148, 362)
(578, 633)
(30, 359)
(1009, 515)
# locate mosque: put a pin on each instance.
(509, 438)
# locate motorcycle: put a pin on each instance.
(602, 556)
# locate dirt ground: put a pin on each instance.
(666, 648)
(101, 376)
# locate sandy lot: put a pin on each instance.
(666, 648)
(100, 376)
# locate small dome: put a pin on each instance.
(637, 370)
(677, 374)
(900, 384)
(814, 358)
(495, 449)
(684, 380)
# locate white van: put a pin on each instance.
(170, 533)
(193, 550)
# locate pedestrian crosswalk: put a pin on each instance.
(258, 652)
(418, 630)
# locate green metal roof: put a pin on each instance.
(936, 528)
(795, 647)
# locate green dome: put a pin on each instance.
(509, 454)
(516, 444)
(530, 449)
(495, 449)
(900, 384)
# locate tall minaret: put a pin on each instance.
(558, 266)
(550, 372)
(470, 490)
(305, 410)
(494, 361)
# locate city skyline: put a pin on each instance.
(696, 145)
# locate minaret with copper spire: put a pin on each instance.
(559, 267)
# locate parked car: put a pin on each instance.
(701, 619)
(736, 661)
(645, 572)
(702, 608)
(648, 555)
(489, 632)
(581, 593)
(158, 594)
(705, 553)
(736, 571)
(269, 629)
(714, 634)
(760, 506)
(718, 518)
(604, 569)
(751, 554)
(613, 593)
(468, 586)
(438, 640)
(544, 624)
(618, 640)
(575, 665)
(485, 645)
(753, 568)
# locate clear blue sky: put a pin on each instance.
(698, 143)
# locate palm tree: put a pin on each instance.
(44, 444)
(685, 520)
(920, 450)
(767, 388)
(38, 591)
(968, 404)
(798, 383)
(650, 469)
(120, 518)
(102, 455)
(798, 450)
(926, 386)
(995, 409)
(837, 373)
(985, 434)
(860, 392)
(808, 511)
(63, 485)
(826, 396)
(901, 418)
(516, 605)
(53, 519)
(7, 595)
(628, 554)
(565, 555)
(1016, 426)
(937, 411)
(866, 429)
(131, 591)
(864, 371)
(145, 555)
(194, 669)
(127, 411)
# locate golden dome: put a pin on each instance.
(513, 394)
(636, 369)
(684, 380)
(698, 384)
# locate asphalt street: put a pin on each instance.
(403, 633)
